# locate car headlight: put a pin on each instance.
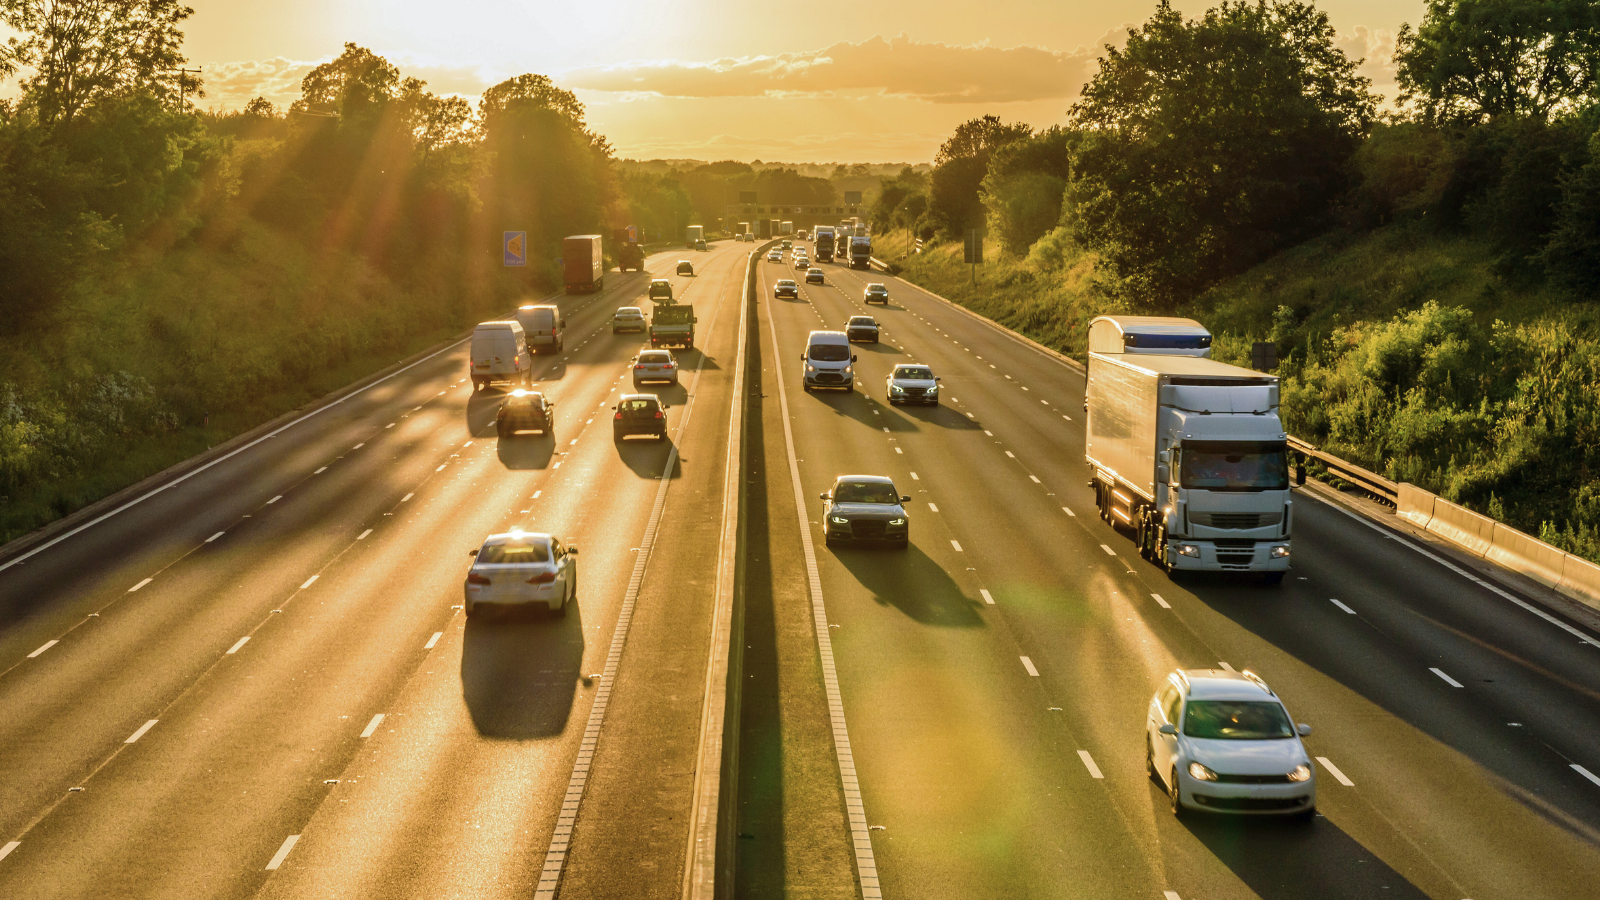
(1201, 773)
(934, 389)
(897, 521)
(896, 389)
(847, 370)
(839, 520)
(1189, 550)
(810, 367)
(1301, 772)
(1280, 552)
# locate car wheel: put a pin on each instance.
(1178, 810)
(850, 385)
(808, 388)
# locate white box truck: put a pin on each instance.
(500, 355)
(695, 236)
(1189, 456)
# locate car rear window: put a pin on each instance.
(864, 492)
(1237, 720)
(629, 312)
(654, 356)
(514, 551)
(638, 406)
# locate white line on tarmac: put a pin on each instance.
(274, 500)
(372, 726)
(956, 545)
(988, 432)
(1162, 601)
(390, 425)
(898, 450)
(407, 497)
(140, 733)
(310, 581)
(46, 646)
(433, 640)
(1028, 664)
(1225, 667)
(215, 536)
(1447, 679)
(1575, 767)
(1069, 512)
(986, 598)
(140, 585)
(1088, 762)
(914, 477)
(441, 468)
(320, 471)
(359, 446)
(1010, 454)
(1067, 417)
(1170, 895)
(467, 444)
(283, 852)
(6, 850)
(1334, 771)
(1341, 606)
(237, 645)
(1035, 479)
(1108, 550)
(363, 535)
(536, 494)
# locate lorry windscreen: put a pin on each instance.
(1234, 465)
(1167, 341)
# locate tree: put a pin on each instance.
(82, 51)
(1211, 143)
(1475, 60)
(959, 168)
(1025, 185)
(979, 138)
(355, 87)
(533, 92)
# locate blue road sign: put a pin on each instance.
(516, 248)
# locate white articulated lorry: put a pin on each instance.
(1188, 454)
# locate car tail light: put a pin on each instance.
(619, 415)
(660, 414)
(543, 578)
(638, 367)
(475, 578)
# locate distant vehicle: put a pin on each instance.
(860, 253)
(1189, 455)
(828, 361)
(787, 243)
(582, 263)
(499, 355)
(521, 568)
(699, 245)
(814, 276)
(1223, 741)
(661, 290)
(841, 247)
(655, 365)
(862, 328)
(788, 227)
(695, 234)
(1149, 334)
(786, 288)
(802, 235)
(800, 261)
(774, 256)
(672, 325)
(543, 327)
(639, 414)
(865, 508)
(911, 383)
(525, 411)
(630, 256)
(685, 267)
(875, 293)
(822, 239)
(627, 318)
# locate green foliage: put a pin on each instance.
(1024, 187)
(1572, 255)
(1211, 143)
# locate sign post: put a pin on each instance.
(515, 245)
(972, 251)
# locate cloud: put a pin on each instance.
(1375, 47)
(898, 67)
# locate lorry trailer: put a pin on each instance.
(581, 263)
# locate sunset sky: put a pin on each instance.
(825, 80)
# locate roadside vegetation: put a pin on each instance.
(1428, 274)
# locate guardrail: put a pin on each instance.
(1380, 488)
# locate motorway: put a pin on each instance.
(994, 676)
(258, 681)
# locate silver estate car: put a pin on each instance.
(912, 383)
(522, 568)
(865, 508)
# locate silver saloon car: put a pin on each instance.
(912, 383)
(521, 568)
(865, 508)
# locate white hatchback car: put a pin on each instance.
(1223, 741)
(522, 568)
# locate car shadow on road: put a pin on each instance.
(940, 416)
(648, 456)
(526, 451)
(481, 410)
(520, 670)
(910, 581)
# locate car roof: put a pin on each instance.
(827, 337)
(874, 284)
(656, 350)
(814, 270)
(623, 309)
(516, 536)
(866, 479)
(786, 281)
(682, 261)
(640, 397)
(520, 393)
(1222, 684)
(540, 306)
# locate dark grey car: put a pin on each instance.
(865, 508)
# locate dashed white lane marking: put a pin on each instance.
(886, 430)
(988, 432)
(898, 450)
(1069, 512)
(359, 446)
(1170, 895)
(407, 497)
(933, 507)
(140, 585)
(441, 468)
(914, 477)
(1575, 767)
(1447, 679)
(1161, 601)
(1028, 664)
(986, 598)
(433, 640)
(1035, 479)
(140, 733)
(1024, 387)
(46, 646)
(274, 499)
(571, 442)
(1108, 550)
(1225, 667)
(1045, 402)
(283, 852)
(320, 471)
(536, 494)
(390, 425)
(1334, 771)
(956, 545)
(1067, 417)
(237, 645)
(372, 725)
(1341, 606)
(1010, 454)
(557, 465)
(467, 444)
(6, 850)
(1088, 763)
(363, 535)
(310, 581)
(215, 536)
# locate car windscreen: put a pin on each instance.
(863, 320)
(864, 492)
(1167, 341)
(512, 552)
(1234, 465)
(915, 373)
(829, 352)
(1237, 720)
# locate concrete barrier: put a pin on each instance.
(1415, 504)
(1580, 580)
(1526, 554)
(1462, 527)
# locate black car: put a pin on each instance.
(865, 508)
(786, 288)
(686, 267)
(875, 293)
(862, 328)
(640, 414)
(525, 411)
(814, 276)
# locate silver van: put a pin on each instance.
(828, 361)
(545, 328)
(500, 355)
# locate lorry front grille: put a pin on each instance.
(1234, 558)
(1236, 520)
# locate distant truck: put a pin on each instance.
(823, 237)
(1187, 454)
(841, 247)
(672, 325)
(788, 228)
(861, 253)
(584, 267)
(629, 254)
(696, 234)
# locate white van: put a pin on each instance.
(500, 355)
(828, 361)
(544, 327)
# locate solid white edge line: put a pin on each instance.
(46, 646)
(372, 726)
(1069, 512)
(1162, 601)
(1341, 606)
(232, 453)
(283, 852)
(238, 645)
(1028, 664)
(1575, 767)
(310, 581)
(140, 733)
(1088, 762)
(855, 809)
(135, 587)
(433, 640)
(1447, 679)
(1334, 771)
(986, 598)
(215, 536)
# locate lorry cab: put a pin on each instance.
(1168, 336)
